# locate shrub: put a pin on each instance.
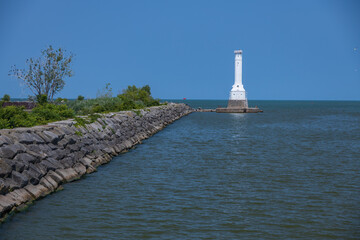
(50, 112)
(131, 98)
(41, 98)
(12, 117)
(80, 98)
(141, 97)
(6, 98)
(4, 123)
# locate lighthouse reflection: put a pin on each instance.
(239, 124)
(238, 116)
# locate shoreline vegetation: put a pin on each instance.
(45, 77)
(132, 98)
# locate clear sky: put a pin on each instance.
(292, 50)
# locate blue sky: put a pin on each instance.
(292, 50)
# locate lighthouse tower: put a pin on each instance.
(237, 97)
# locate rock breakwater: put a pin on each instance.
(36, 161)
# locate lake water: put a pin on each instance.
(290, 172)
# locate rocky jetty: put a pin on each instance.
(35, 161)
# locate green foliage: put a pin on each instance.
(78, 133)
(13, 117)
(112, 130)
(60, 100)
(80, 98)
(6, 98)
(131, 99)
(138, 113)
(50, 112)
(138, 97)
(82, 121)
(97, 105)
(41, 98)
(4, 123)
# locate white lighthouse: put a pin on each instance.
(237, 97)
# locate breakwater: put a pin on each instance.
(35, 161)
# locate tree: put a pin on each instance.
(6, 98)
(138, 95)
(45, 75)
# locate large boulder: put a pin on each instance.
(5, 168)
(20, 179)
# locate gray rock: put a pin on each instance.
(20, 179)
(80, 169)
(49, 137)
(48, 165)
(58, 154)
(73, 148)
(36, 191)
(55, 162)
(45, 148)
(53, 146)
(3, 190)
(19, 166)
(25, 138)
(67, 162)
(32, 175)
(5, 140)
(39, 155)
(5, 168)
(9, 151)
(25, 158)
(59, 132)
(56, 177)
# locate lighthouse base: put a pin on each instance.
(238, 110)
(238, 104)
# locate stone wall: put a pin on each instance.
(35, 161)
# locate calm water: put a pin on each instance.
(290, 172)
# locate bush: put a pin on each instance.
(131, 98)
(42, 99)
(80, 98)
(141, 97)
(49, 112)
(97, 105)
(6, 98)
(12, 117)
